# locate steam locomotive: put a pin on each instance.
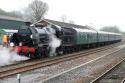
(51, 38)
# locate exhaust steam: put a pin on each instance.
(54, 41)
(7, 57)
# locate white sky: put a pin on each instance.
(97, 13)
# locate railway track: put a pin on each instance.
(108, 71)
(30, 65)
(123, 81)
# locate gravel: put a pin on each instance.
(115, 76)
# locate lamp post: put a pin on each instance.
(18, 78)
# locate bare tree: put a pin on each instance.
(15, 14)
(63, 18)
(110, 29)
(71, 21)
(36, 10)
(2, 12)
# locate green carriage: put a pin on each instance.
(86, 36)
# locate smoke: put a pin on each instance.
(8, 57)
(54, 41)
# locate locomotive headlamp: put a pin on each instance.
(31, 36)
(20, 44)
(11, 44)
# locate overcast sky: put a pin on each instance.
(97, 13)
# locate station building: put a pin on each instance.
(9, 25)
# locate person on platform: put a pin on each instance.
(5, 40)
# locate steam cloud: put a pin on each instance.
(54, 42)
(8, 57)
